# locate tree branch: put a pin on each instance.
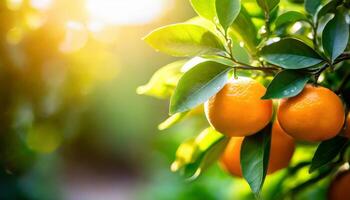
(344, 56)
(248, 67)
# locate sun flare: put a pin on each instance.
(121, 12)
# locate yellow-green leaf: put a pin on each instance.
(184, 40)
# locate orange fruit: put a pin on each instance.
(281, 152)
(237, 109)
(315, 114)
(282, 149)
(340, 187)
(347, 127)
(230, 159)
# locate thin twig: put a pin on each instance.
(344, 56)
(305, 184)
(246, 67)
(267, 24)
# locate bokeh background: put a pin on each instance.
(71, 124)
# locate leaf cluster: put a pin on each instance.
(283, 45)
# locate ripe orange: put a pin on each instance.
(282, 149)
(230, 159)
(238, 110)
(347, 128)
(281, 152)
(315, 114)
(340, 187)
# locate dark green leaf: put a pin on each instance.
(198, 85)
(184, 40)
(255, 152)
(227, 11)
(311, 6)
(290, 53)
(287, 83)
(204, 8)
(290, 17)
(268, 5)
(274, 13)
(335, 36)
(244, 29)
(347, 4)
(327, 151)
(164, 81)
(330, 7)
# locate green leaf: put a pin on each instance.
(164, 81)
(290, 17)
(335, 36)
(327, 151)
(204, 8)
(290, 53)
(198, 85)
(196, 155)
(255, 152)
(287, 83)
(268, 5)
(244, 30)
(172, 120)
(219, 59)
(197, 60)
(184, 40)
(209, 158)
(311, 6)
(227, 11)
(239, 53)
(253, 8)
(330, 7)
(205, 24)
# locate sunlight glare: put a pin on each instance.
(41, 4)
(75, 39)
(121, 12)
(14, 4)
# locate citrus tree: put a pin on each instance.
(273, 77)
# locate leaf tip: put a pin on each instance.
(173, 109)
(140, 90)
(161, 127)
(266, 97)
(311, 169)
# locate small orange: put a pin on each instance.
(281, 152)
(230, 159)
(238, 110)
(340, 187)
(316, 114)
(282, 149)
